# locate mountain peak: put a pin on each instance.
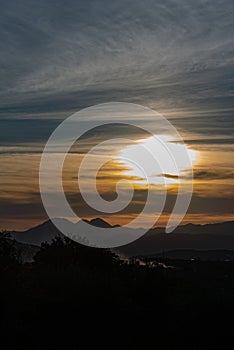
(99, 223)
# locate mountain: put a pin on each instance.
(47, 231)
(218, 228)
(98, 223)
(192, 237)
(218, 236)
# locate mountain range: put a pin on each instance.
(209, 237)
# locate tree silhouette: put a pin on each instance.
(64, 252)
(9, 256)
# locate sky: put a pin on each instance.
(57, 57)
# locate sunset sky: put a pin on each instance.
(173, 56)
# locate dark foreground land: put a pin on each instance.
(75, 297)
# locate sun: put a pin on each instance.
(157, 160)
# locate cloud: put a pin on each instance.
(166, 53)
(58, 57)
(213, 175)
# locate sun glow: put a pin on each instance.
(157, 160)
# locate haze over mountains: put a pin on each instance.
(187, 237)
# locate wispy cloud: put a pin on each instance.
(168, 53)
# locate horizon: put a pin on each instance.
(90, 220)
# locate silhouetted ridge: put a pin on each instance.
(190, 236)
(99, 223)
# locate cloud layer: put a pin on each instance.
(169, 53)
(176, 56)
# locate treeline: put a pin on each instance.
(73, 295)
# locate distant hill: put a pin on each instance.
(186, 237)
(208, 237)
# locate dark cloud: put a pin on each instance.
(213, 174)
